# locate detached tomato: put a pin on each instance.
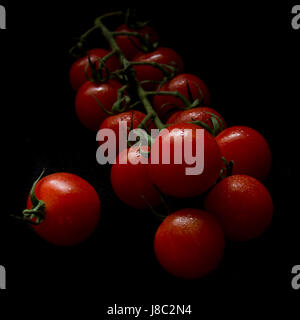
(189, 243)
(162, 55)
(72, 209)
(130, 46)
(248, 149)
(132, 118)
(131, 182)
(77, 75)
(189, 85)
(88, 110)
(173, 179)
(203, 114)
(243, 206)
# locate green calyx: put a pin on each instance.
(36, 214)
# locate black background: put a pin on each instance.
(249, 57)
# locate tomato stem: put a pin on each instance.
(36, 214)
(131, 74)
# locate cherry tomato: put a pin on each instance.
(161, 55)
(72, 209)
(203, 114)
(132, 118)
(88, 110)
(248, 149)
(172, 178)
(189, 243)
(189, 85)
(131, 182)
(243, 206)
(130, 46)
(77, 72)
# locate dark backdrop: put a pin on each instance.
(249, 57)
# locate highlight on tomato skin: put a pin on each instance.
(189, 244)
(248, 149)
(72, 209)
(243, 205)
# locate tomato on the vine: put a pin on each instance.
(188, 85)
(161, 55)
(77, 74)
(189, 243)
(88, 110)
(243, 206)
(173, 178)
(203, 114)
(248, 149)
(131, 45)
(131, 181)
(132, 118)
(72, 209)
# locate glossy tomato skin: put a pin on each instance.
(243, 206)
(196, 114)
(248, 149)
(161, 55)
(198, 90)
(88, 111)
(131, 182)
(130, 45)
(171, 178)
(77, 75)
(132, 118)
(189, 243)
(72, 209)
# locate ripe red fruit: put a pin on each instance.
(131, 45)
(243, 206)
(131, 182)
(88, 110)
(248, 149)
(132, 118)
(189, 243)
(77, 75)
(203, 114)
(72, 209)
(189, 85)
(161, 55)
(172, 178)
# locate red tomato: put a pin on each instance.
(248, 149)
(189, 85)
(172, 179)
(189, 243)
(132, 118)
(203, 114)
(130, 45)
(243, 206)
(72, 209)
(88, 111)
(131, 182)
(77, 75)
(161, 55)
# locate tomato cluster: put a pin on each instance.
(112, 86)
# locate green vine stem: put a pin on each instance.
(188, 104)
(141, 93)
(36, 214)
